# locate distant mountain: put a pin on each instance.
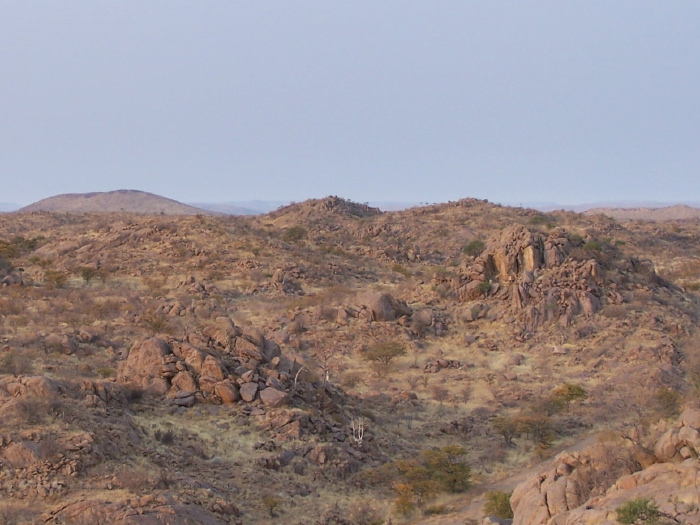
(240, 207)
(8, 206)
(580, 208)
(131, 201)
(667, 213)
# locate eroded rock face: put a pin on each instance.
(541, 278)
(587, 487)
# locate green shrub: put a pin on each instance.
(384, 353)
(474, 248)
(483, 288)
(441, 470)
(498, 504)
(88, 273)
(295, 234)
(538, 219)
(569, 392)
(639, 510)
(593, 246)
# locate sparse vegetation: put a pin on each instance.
(638, 511)
(498, 505)
(591, 340)
(474, 248)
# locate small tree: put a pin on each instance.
(88, 274)
(56, 278)
(507, 428)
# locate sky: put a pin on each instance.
(542, 101)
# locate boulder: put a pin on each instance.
(144, 365)
(271, 397)
(227, 392)
(248, 391)
(383, 306)
(22, 455)
(183, 381)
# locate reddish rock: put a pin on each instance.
(227, 392)
(271, 397)
(248, 391)
(184, 381)
(144, 365)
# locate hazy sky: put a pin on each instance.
(566, 101)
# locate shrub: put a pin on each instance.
(669, 401)
(88, 274)
(474, 248)
(498, 504)
(639, 510)
(271, 503)
(569, 392)
(506, 427)
(436, 470)
(167, 437)
(384, 353)
(56, 278)
(15, 364)
(537, 220)
(483, 288)
(156, 323)
(351, 379)
(593, 246)
(364, 513)
(295, 234)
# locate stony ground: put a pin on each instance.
(325, 362)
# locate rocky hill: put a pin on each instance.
(126, 201)
(331, 363)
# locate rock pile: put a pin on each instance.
(234, 365)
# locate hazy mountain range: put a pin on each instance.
(136, 201)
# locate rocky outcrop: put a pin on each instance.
(545, 278)
(249, 367)
(587, 487)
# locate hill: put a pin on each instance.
(330, 363)
(129, 201)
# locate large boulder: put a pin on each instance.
(271, 397)
(144, 366)
(383, 306)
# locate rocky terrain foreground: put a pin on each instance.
(331, 363)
